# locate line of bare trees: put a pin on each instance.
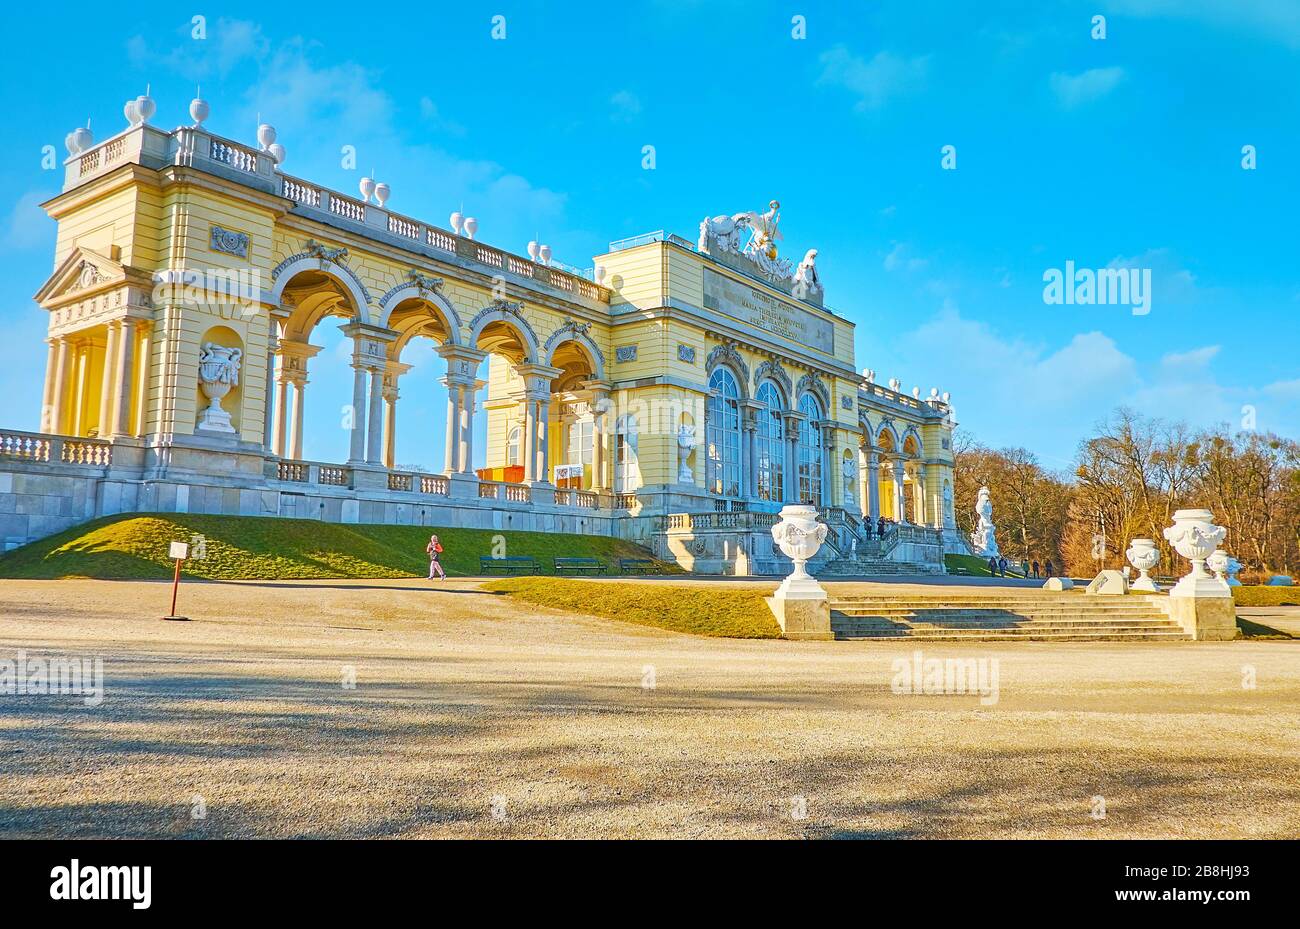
(1128, 480)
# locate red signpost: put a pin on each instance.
(179, 551)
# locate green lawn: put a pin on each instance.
(735, 613)
(270, 548)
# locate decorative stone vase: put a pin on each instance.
(1143, 555)
(799, 536)
(218, 373)
(685, 445)
(1194, 536)
(1218, 563)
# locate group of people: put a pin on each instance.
(998, 567)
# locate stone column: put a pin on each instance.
(900, 498)
(528, 443)
(108, 381)
(125, 378)
(299, 390)
(450, 456)
(268, 414)
(142, 376)
(832, 482)
(281, 409)
(59, 388)
(791, 460)
(375, 418)
(599, 438)
(544, 440)
(390, 427)
(873, 486)
(357, 445)
(469, 405)
(47, 397)
(918, 495)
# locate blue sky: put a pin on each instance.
(1120, 152)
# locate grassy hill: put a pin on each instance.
(134, 546)
(699, 609)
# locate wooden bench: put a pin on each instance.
(579, 566)
(635, 565)
(964, 572)
(521, 565)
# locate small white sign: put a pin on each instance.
(180, 550)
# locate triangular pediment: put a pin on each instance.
(84, 272)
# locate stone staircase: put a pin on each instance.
(866, 566)
(1035, 617)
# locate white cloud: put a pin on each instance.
(1073, 90)
(899, 259)
(1196, 358)
(28, 226)
(875, 81)
(626, 106)
(1276, 20)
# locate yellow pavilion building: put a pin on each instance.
(676, 394)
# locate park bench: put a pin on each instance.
(635, 565)
(519, 565)
(579, 566)
(964, 572)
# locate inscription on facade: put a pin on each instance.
(763, 311)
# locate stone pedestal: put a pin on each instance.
(462, 485)
(802, 617)
(1211, 619)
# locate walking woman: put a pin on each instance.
(434, 549)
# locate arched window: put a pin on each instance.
(770, 442)
(512, 446)
(627, 471)
(810, 451)
(722, 435)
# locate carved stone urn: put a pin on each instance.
(799, 536)
(1194, 536)
(1143, 555)
(218, 373)
(686, 443)
(1218, 563)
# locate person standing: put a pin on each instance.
(993, 566)
(1002, 565)
(1036, 567)
(433, 550)
(1051, 569)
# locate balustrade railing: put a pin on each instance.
(46, 447)
(400, 482)
(434, 484)
(334, 476)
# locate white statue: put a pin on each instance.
(722, 233)
(849, 470)
(686, 443)
(806, 281)
(218, 372)
(983, 539)
(949, 518)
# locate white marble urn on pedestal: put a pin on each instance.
(218, 372)
(1143, 555)
(1194, 536)
(799, 536)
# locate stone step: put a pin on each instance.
(874, 623)
(1001, 636)
(991, 613)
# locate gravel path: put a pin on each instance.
(474, 716)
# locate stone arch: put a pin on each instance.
(341, 274)
(725, 354)
(410, 290)
(909, 436)
(576, 333)
(772, 369)
(811, 383)
(510, 315)
(887, 431)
